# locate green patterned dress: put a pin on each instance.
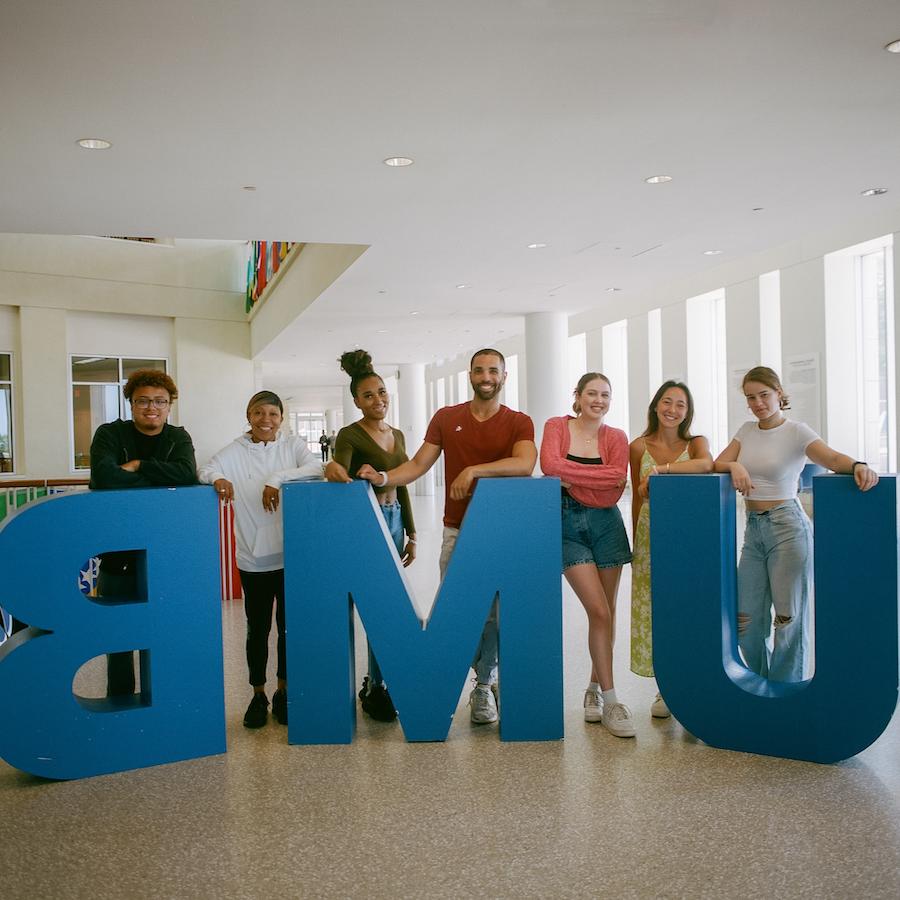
(641, 627)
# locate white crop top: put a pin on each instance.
(774, 457)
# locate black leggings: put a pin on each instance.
(260, 589)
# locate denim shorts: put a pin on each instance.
(593, 535)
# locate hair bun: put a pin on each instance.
(356, 363)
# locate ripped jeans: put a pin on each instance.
(775, 571)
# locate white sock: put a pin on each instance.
(609, 697)
(594, 686)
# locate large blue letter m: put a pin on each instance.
(338, 554)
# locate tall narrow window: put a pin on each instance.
(511, 388)
(615, 368)
(462, 387)
(706, 366)
(770, 320)
(7, 462)
(97, 398)
(577, 358)
(876, 360)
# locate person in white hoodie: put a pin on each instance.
(249, 472)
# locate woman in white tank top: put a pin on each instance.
(765, 459)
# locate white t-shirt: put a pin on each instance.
(774, 457)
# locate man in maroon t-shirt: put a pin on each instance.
(480, 439)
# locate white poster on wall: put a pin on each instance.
(801, 383)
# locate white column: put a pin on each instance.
(331, 420)
(413, 417)
(546, 367)
(351, 413)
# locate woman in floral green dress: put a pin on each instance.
(665, 448)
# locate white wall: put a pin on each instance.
(803, 338)
(742, 335)
(215, 381)
(674, 342)
(639, 387)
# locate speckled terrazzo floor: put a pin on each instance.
(659, 816)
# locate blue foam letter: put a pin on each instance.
(180, 713)
(695, 654)
(337, 553)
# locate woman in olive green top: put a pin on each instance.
(372, 440)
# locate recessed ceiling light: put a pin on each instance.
(381, 331)
(249, 187)
(893, 47)
(536, 246)
(711, 252)
(397, 161)
(873, 192)
(612, 290)
(460, 287)
(658, 179)
(415, 312)
(94, 143)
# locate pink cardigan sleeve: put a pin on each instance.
(613, 450)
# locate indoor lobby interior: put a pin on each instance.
(650, 189)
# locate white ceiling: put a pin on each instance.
(529, 121)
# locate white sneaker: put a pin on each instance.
(618, 720)
(593, 706)
(484, 706)
(659, 709)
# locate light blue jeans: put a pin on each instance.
(775, 572)
(487, 654)
(394, 519)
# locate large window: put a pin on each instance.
(309, 426)
(706, 364)
(875, 358)
(7, 463)
(97, 398)
(615, 368)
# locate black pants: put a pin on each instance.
(260, 589)
(119, 666)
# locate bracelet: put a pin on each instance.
(858, 462)
(384, 478)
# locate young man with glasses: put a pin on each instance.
(144, 451)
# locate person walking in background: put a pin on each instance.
(666, 447)
(591, 460)
(372, 441)
(765, 459)
(479, 439)
(249, 472)
(145, 451)
(324, 444)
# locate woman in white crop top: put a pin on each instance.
(765, 459)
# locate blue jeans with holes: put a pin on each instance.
(394, 519)
(775, 573)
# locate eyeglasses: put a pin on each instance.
(145, 402)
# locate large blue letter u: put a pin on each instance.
(695, 654)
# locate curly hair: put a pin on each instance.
(150, 378)
(358, 365)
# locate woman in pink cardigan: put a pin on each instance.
(591, 460)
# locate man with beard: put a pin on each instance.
(480, 439)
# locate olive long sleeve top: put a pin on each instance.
(355, 447)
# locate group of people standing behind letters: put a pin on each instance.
(481, 438)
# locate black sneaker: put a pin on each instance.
(279, 706)
(377, 703)
(257, 712)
